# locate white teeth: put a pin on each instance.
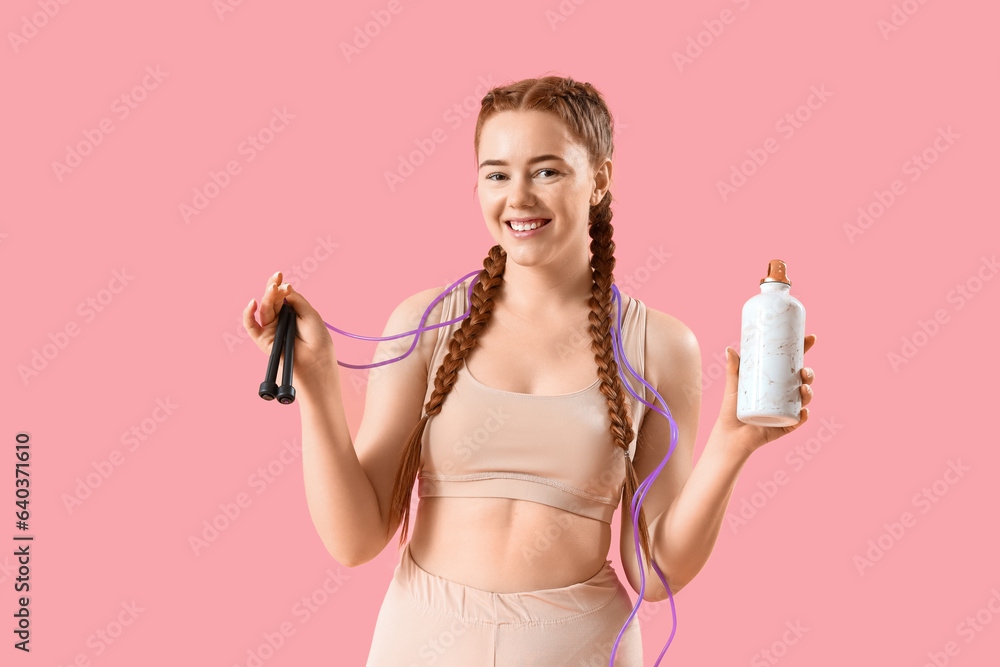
(523, 227)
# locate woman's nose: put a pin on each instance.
(521, 193)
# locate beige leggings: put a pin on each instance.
(428, 620)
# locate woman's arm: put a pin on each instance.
(685, 534)
(690, 513)
(349, 483)
(341, 500)
(673, 367)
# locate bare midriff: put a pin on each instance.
(505, 545)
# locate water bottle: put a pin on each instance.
(771, 349)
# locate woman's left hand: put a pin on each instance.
(750, 436)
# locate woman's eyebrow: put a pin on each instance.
(537, 158)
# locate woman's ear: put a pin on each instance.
(602, 182)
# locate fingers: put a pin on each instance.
(268, 307)
(807, 376)
(250, 322)
(274, 299)
(302, 307)
(275, 293)
(807, 394)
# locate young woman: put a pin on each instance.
(515, 422)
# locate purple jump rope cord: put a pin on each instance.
(643, 489)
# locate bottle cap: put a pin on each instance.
(776, 273)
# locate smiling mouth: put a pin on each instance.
(526, 226)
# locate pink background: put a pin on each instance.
(880, 431)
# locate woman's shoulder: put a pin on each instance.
(672, 358)
(412, 308)
(665, 326)
(421, 309)
(671, 347)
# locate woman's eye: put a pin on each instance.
(490, 177)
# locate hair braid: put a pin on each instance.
(601, 302)
(464, 339)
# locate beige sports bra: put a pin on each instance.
(555, 450)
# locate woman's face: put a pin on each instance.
(559, 188)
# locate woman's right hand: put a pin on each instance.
(314, 352)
